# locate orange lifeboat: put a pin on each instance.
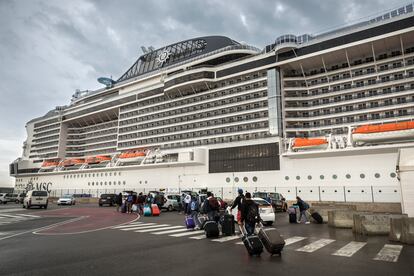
(132, 156)
(50, 164)
(98, 159)
(72, 162)
(309, 143)
(383, 133)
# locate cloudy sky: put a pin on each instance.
(50, 48)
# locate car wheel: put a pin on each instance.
(1, 201)
(45, 206)
(170, 208)
(100, 205)
(269, 223)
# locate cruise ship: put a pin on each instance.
(317, 116)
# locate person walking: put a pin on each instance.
(249, 214)
(237, 203)
(118, 201)
(129, 202)
(187, 200)
(303, 207)
(193, 210)
(211, 207)
(140, 203)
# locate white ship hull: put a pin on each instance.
(392, 136)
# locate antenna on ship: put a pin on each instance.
(144, 50)
(108, 82)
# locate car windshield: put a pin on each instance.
(106, 195)
(262, 202)
(39, 193)
(66, 196)
(259, 194)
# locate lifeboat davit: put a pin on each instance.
(98, 159)
(309, 143)
(383, 133)
(132, 156)
(49, 164)
(73, 162)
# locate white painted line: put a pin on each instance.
(130, 225)
(171, 231)
(143, 227)
(201, 237)
(31, 216)
(293, 240)
(315, 245)
(389, 253)
(189, 233)
(240, 242)
(152, 228)
(349, 249)
(11, 210)
(158, 229)
(11, 216)
(228, 238)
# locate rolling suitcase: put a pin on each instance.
(123, 208)
(147, 211)
(227, 227)
(155, 210)
(292, 211)
(202, 219)
(252, 243)
(272, 240)
(189, 222)
(211, 229)
(317, 217)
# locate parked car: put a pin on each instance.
(266, 211)
(108, 199)
(36, 198)
(171, 202)
(20, 197)
(11, 198)
(275, 199)
(66, 200)
(3, 199)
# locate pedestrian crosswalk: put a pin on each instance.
(305, 245)
(14, 218)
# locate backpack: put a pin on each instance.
(252, 214)
(214, 205)
(305, 205)
(193, 206)
(130, 198)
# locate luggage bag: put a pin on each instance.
(272, 240)
(123, 208)
(252, 243)
(189, 222)
(211, 229)
(292, 211)
(317, 217)
(147, 211)
(227, 228)
(155, 210)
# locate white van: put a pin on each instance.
(36, 198)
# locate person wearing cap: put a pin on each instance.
(238, 203)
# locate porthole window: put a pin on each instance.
(101, 174)
(395, 191)
(227, 180)
(89, 183)
(362, 175)
(288, 191)
(322, 176)
(119, 182)
(299, 191)
(124, 182)
(106, 174)
(393, 174)
(334, 176)
(119, 173)
(362, 191)
(309, 177)
(236, 179)
(335, 191)
(110, 174)
(323, 191)
(377, 175)
(140, 182)
(63, 177)
(93, 183)
(348, 176)
(297, 177)
(105, 183)
(89, 175)
(101, 183)
(114, 173)
(310, 191)
(245, 179)
(254, 178)
(379, 191)
(110, 183)
(144, 182)
(349, 191)
(286, 177)
(93, 175)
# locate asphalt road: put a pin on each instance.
(120, 250)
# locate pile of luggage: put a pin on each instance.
(151, 210)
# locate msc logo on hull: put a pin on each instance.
(41, 186)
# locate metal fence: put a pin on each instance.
(310, 193)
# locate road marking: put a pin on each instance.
(11, 216)
(227, 238)
(159, 228)
(143, 227)
(171, 231)
(240, 242)
(130, 225)
(315, 245)
(389, 253)
(349, 249)
(293, 240)
(11, 210)
(188, 233)
(201, 237)
(31, 216)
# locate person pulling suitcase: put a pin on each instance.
(249, 214)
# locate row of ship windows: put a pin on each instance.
(352, 119)
(47, 133)
(245, 179)
(47, 144)
(355, 73)
(362, 106)
(48, 149)
(351, 96)
(93, 128)
(106, 131)
(47, 127)
(85, 175)
(95, 146)
(391, 54)
(204, 133)
(47, 122)
(196, 107)
(215, 122)
(358, 84)
(41, 140)
(347, 176)
(142, 103)
(94, 140)
(106, 183)
(91, 153)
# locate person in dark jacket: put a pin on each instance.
(303, 207)
(211, 207)
(249, 214)
(237, 203)
(118, 201)
(140, 203)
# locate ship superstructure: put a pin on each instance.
(321, 116)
